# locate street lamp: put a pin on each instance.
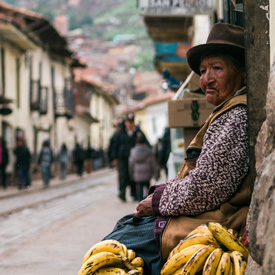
(4, 107)
(5, 110)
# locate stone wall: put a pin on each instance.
(261, 219)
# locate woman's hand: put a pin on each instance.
(144, 208)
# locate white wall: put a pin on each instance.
(157, 121)
(82, 129)
(101, 132)
(202, 27)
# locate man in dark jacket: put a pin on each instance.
(23, 161)
(111, 150)
(124, 140)
(166, 149)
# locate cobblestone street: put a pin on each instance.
(48, 231)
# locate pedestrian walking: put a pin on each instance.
(78, 159)
(119, 127)
(23, 162)
(45, 160)
(122, 144)
(157, 151)
(165, 150)
(90, 152)
(4, 160)
(99, 159)
(64, 157)
(142, 166)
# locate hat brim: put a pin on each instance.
(195, 53)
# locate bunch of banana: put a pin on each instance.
(230, 241)
(111, 257)
(210, 249)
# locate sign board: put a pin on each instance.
(188, 112)
(175, 7)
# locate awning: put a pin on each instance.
(12, 34)
(5, 100)
(84, 112)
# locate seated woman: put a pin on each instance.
(212, 184)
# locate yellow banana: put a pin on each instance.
(231, 271)
(137, 262)
(99, 260)
(233, 232)
(196, 262)
(239, 263)
(180, 259)
(140, 269)
(110, 271)
(107, 246)
(203, 228)
(197, 238)
(133, 272)
(224, 265)
(131, 254)
(228, 240)
(125, 250)
(212, 262)
(178, 272)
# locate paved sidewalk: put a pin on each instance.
(37, 185)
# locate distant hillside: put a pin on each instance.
(98, 18)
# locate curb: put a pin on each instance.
(37, 186)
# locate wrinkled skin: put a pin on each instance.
(144, 208)
(220, 79)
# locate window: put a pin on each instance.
(233, 12)
(43, 104)
(18, 82)
(3, 84)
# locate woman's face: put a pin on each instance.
(220, 79)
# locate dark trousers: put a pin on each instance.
(3, 176)
(63, 170)
(124, 179)
(24, 178)
(138, 234)
(140, 187)
(79, 168)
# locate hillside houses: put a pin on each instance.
(37, 85)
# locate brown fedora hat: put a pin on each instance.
(223, 39)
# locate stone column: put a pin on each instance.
(262, 210)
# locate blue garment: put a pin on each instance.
(138, 234)
(46, 174)
(46, 160)
(46, 157)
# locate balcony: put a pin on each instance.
(43, 102)
(63, 103)
(170, 25)
(34, 95)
